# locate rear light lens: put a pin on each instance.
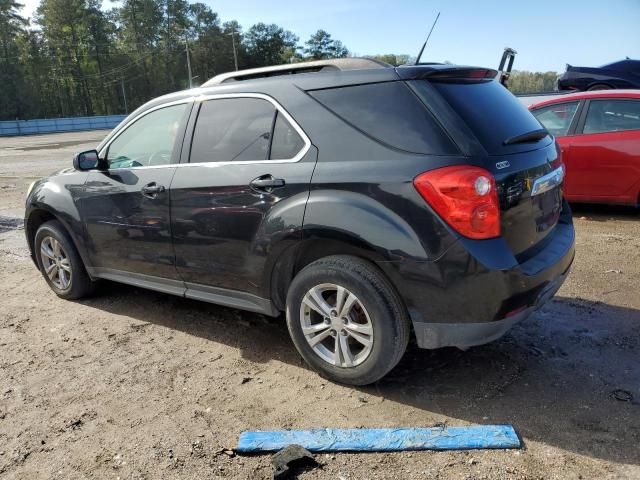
(463, 74)
(558, 161)
(465, 197)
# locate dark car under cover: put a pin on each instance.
(621, 74)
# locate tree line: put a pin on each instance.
(522, 81)
(73, 58)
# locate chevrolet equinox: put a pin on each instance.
(369, 203)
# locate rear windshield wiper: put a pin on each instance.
(529, 137)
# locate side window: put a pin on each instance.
(286, 141)
(390, 113)
(557, 118)
(612, 116)
(149, 141)
(233, 130)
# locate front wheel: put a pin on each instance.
(60, 263)
(346, 320)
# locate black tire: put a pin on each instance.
(387, 317)
(598, 86)
(80, 285)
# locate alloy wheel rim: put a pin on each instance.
(55, 263)
(336, 325)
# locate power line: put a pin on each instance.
(116, 51)
(92, 76)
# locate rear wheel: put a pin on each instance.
(60, 263)
(346, 320)
(599, 86)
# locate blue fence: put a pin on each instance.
(52, 125)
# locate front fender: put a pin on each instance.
(57, 197)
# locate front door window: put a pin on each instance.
(149, 141)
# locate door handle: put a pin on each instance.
(152, 190)
(267, 183)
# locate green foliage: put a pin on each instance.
(532, 82)
(265, 44)
(11, 25)
(391, 58)
(320, 46)
(78, 59)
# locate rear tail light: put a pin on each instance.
(465, 197)
(558, 161)
(463, 74)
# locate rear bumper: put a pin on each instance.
(478, 290)
(465, 335)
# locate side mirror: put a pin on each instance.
(86, 160)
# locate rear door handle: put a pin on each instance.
(267, 183)
(151, 190)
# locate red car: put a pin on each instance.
(599, 134)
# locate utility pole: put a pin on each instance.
(235, 54)
(186, 48)
(124, 95)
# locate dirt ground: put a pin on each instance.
(134, 384)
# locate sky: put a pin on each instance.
(547, 34)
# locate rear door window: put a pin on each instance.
(612, 116)
(243, 130)
(389, 113)
(557, 118)
(286, 141)
(232, 130)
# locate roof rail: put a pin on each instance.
(335, 64)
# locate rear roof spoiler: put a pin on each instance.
(445, 72)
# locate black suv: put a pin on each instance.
(369, 204)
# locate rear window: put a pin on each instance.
(492, 113)
(391, 114)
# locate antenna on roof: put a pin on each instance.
(425, 42)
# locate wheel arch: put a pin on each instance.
(600, 84)
(35, 218)
(316, 245)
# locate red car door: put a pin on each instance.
(603, 161)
